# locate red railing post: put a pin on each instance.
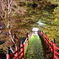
(54, 48)
(8, 56)
(21, 49)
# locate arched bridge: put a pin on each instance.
(35, 42)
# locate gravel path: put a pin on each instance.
(34, 50)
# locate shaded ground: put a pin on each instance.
(2, 56)
(34, 50)
(1, 42)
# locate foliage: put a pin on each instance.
(21, 4)
(56, 12)
(2, 51)
(23, 16)
(14, 6)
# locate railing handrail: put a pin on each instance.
(19, 53)
(52, 46)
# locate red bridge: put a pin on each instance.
(50, 48)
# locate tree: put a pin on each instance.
(9, 6)
(5, 11)
(5, 8)
(9, 12)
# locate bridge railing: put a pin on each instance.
(51, 45)
(19, 54)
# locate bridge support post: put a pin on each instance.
(21, 49)
(54, 48)
(8, 56)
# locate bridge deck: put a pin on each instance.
(35, 50)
